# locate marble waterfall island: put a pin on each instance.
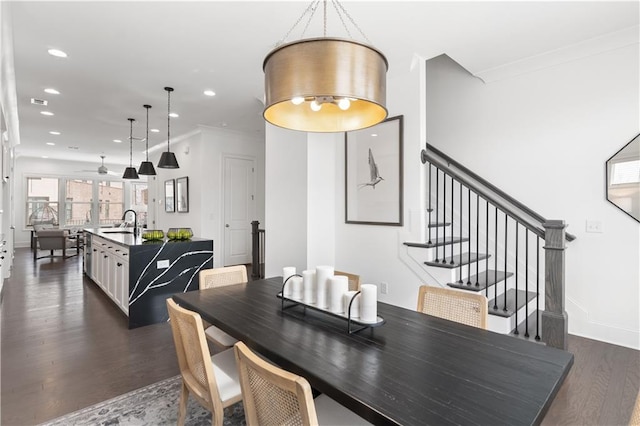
(140, 275)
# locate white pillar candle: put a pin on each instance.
(323, 273)
(287, 271)
(296, 288)
(338, 286)
(369, 303)
(309, 286)
(355, 306)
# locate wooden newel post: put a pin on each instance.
(255, 250)
(554, 317)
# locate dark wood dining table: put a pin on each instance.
(415, 369)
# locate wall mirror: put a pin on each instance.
(169, 196)
(182, 194)
(623, 178)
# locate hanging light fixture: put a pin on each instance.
(168, 159)
(146, 167)
(325, 84)
(130, 172)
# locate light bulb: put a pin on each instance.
(297, 100)
(315, 106)
(344, 104)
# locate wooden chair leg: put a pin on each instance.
(184, 399)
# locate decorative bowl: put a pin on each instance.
(179, 233)
(153, 234)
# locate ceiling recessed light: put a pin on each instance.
(374, 135)
(209, 93)
(154, 130)
(45, 156)
(46, 113)
(54, 133)
(117, 141)
(50, 143)
(173, 115)
(51, 91)
(57, 53)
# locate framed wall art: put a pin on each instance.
(169, 196)
(374, 174)
(182, 194)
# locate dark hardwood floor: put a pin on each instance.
(65, 346)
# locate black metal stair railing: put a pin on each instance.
(506, 302)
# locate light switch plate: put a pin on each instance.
(163, 264)
(384, 288)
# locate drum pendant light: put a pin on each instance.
(146, 167)
(168, 159)
(325, 84)
(130, 172)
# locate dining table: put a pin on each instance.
(412, 369)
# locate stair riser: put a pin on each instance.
(505, 325)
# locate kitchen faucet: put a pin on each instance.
(135, 220)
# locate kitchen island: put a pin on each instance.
(140, 275)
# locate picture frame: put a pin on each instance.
(169, 196)
(182, 194)
(374, 174)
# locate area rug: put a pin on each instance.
(156, 404)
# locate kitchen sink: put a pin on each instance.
(117, 232)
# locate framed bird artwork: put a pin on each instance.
(373, 174)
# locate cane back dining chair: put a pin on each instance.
(273, 396)
(220, 277)
(211, 380)
(454, 305)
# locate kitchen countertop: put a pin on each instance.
(124, 236)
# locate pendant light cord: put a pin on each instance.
(168, 118)
(147, 138)
(131, 142)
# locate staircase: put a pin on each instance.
(481, 239)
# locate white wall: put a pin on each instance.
(201, 157)
(544, 137)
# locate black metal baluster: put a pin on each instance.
(429, 209)
(452, 222)
(444, 218)
(437, 202)
(526, 283)
(477, 240)
(506, 223)
(460, 251)
(538, 289)
(495, 264)
(468, 231)
(516, 332)
(486, 247)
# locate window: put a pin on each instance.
(624, 172)
(110, 202)
(139, 201)
(79, 196)
(42, 200)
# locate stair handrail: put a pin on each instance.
(425, 156)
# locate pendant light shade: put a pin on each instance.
(325, 85)
(146, 167)
(168, 159)
(130, 172)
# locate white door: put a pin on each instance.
(239, 190)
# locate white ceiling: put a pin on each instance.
(122, 55)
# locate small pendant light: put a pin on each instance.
(168, 159)
(130, 172)
(146, 167)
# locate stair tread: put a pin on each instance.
(466, 259)
(436, 224)
(511, 302)
(437, 242)
(492, 275)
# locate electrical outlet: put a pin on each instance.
(594, 226)
(384, 288)
(163, 264)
